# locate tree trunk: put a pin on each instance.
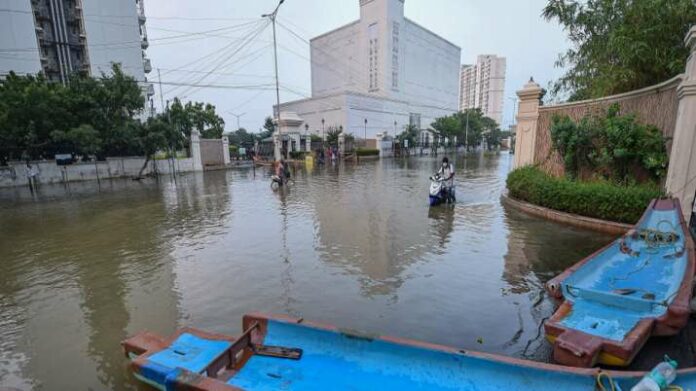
(147, 160)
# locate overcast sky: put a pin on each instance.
(509, 28)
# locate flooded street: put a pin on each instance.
(355, 246)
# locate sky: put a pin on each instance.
(239, 53)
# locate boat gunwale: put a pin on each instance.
(201, 382)
(670, 322)
(262, 318)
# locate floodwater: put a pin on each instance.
(352, 245)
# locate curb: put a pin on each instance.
(609, 227)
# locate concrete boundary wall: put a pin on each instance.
(670, 106)
(48, 172)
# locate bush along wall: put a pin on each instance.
(599, 199)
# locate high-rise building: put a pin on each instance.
(60, 37)
(378, 74)
(482, 85)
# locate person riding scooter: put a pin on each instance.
(446, 172)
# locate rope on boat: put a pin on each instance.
(613, 386)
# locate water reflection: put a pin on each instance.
(353, 245)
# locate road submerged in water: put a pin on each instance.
(352, 245)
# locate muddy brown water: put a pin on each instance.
(353, 245)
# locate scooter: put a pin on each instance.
(438, 191)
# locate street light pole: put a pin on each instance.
(238, 116)
(466, 132)
(322, 132)
(365, 132)
(272, 17)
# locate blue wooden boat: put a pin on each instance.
(615, 299)
(283, 353)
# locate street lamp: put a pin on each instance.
(366, 131)
(322, 131)
(306, 129)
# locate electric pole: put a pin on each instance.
(160, 88)
(272, 17)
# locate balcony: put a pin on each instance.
(147, 65)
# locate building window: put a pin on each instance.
(373, 70)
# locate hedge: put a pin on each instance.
(602, 200)
(367, 152)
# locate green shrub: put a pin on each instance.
(367, 152)
(298, 155)
(601, 199)
(612, 146)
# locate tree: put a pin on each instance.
(196, 115)
(332, 133)
(447, 126)
(620, 45)
(268, 127)
(409, 133)
(241, 137)
(151, 137)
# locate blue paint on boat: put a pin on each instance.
(190, 352)
(332, 360)
(649, 277)
(339, 361)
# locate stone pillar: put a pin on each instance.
(681, 174)
(527, 117)
(308, 143)
(196, 150)
(341, 144)
(225, 150)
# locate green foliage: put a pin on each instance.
(469, 127)
(332, 133)
(315, 139)
(196, 115)
(83, 140)
(410, 133)
(614, 147)
(32, 108)
(367, 152)
(620, 45)
(92, 116)
(242, 137)
(601, 199)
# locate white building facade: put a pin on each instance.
(60, 37)
(383, 68)
(482, 85)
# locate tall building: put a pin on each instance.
(378, 74)
(483, 86)
(60, 37)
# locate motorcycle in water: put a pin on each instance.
(439, 192)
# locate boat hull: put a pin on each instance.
(336, 359)
(576, 343)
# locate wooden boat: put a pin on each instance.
(615, 299)
(278, 352)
